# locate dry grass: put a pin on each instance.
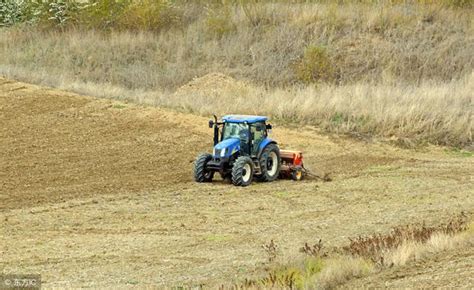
(328, 268)
(400, 71)
(369, 43)
(412, 251)
(339, 270)
(437, 113)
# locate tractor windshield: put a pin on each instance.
(235, 130)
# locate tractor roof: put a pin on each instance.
(243, 118)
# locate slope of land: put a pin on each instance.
(450, 269)
(100, 193)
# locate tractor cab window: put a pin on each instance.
(259, 133)
(236, 130)
(239, 131)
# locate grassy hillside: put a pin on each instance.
(397, 69)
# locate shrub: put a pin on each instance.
(255, 12)
(62, 12)
(152, 15)
(103, 14)
(10, 12)
(315, 65)
(51, 13)
(219, 21)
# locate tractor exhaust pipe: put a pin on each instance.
(216, 129)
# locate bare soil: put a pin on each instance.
(99, 193)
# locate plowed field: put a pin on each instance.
(99, 193)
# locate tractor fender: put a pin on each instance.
(264, 144)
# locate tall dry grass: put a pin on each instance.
(359, 43)
(395, 69)
(328, 268)
(433, 112)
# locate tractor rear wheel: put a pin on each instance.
(242, 171)
(270, 163)
(200, 172)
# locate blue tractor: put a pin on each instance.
(242, 151)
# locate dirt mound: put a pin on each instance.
(211, 84)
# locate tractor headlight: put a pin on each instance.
(223, 152)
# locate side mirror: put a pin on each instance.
(211, 123)
(269, 126)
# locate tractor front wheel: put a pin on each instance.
(270, 163)
(242, 171)
(200, 172)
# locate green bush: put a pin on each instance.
(62, 12)
(10, 12)
(97, 14)
(151, 15)
(315, 65)
(51, 13)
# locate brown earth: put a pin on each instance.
(100, 193)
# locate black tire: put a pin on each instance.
(297, 174)
(242, 171)
(267, 160)
(200, 172)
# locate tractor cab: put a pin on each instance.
(240, 133)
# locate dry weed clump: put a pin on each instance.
(315, 250)
(271, 249)
(375, 246)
